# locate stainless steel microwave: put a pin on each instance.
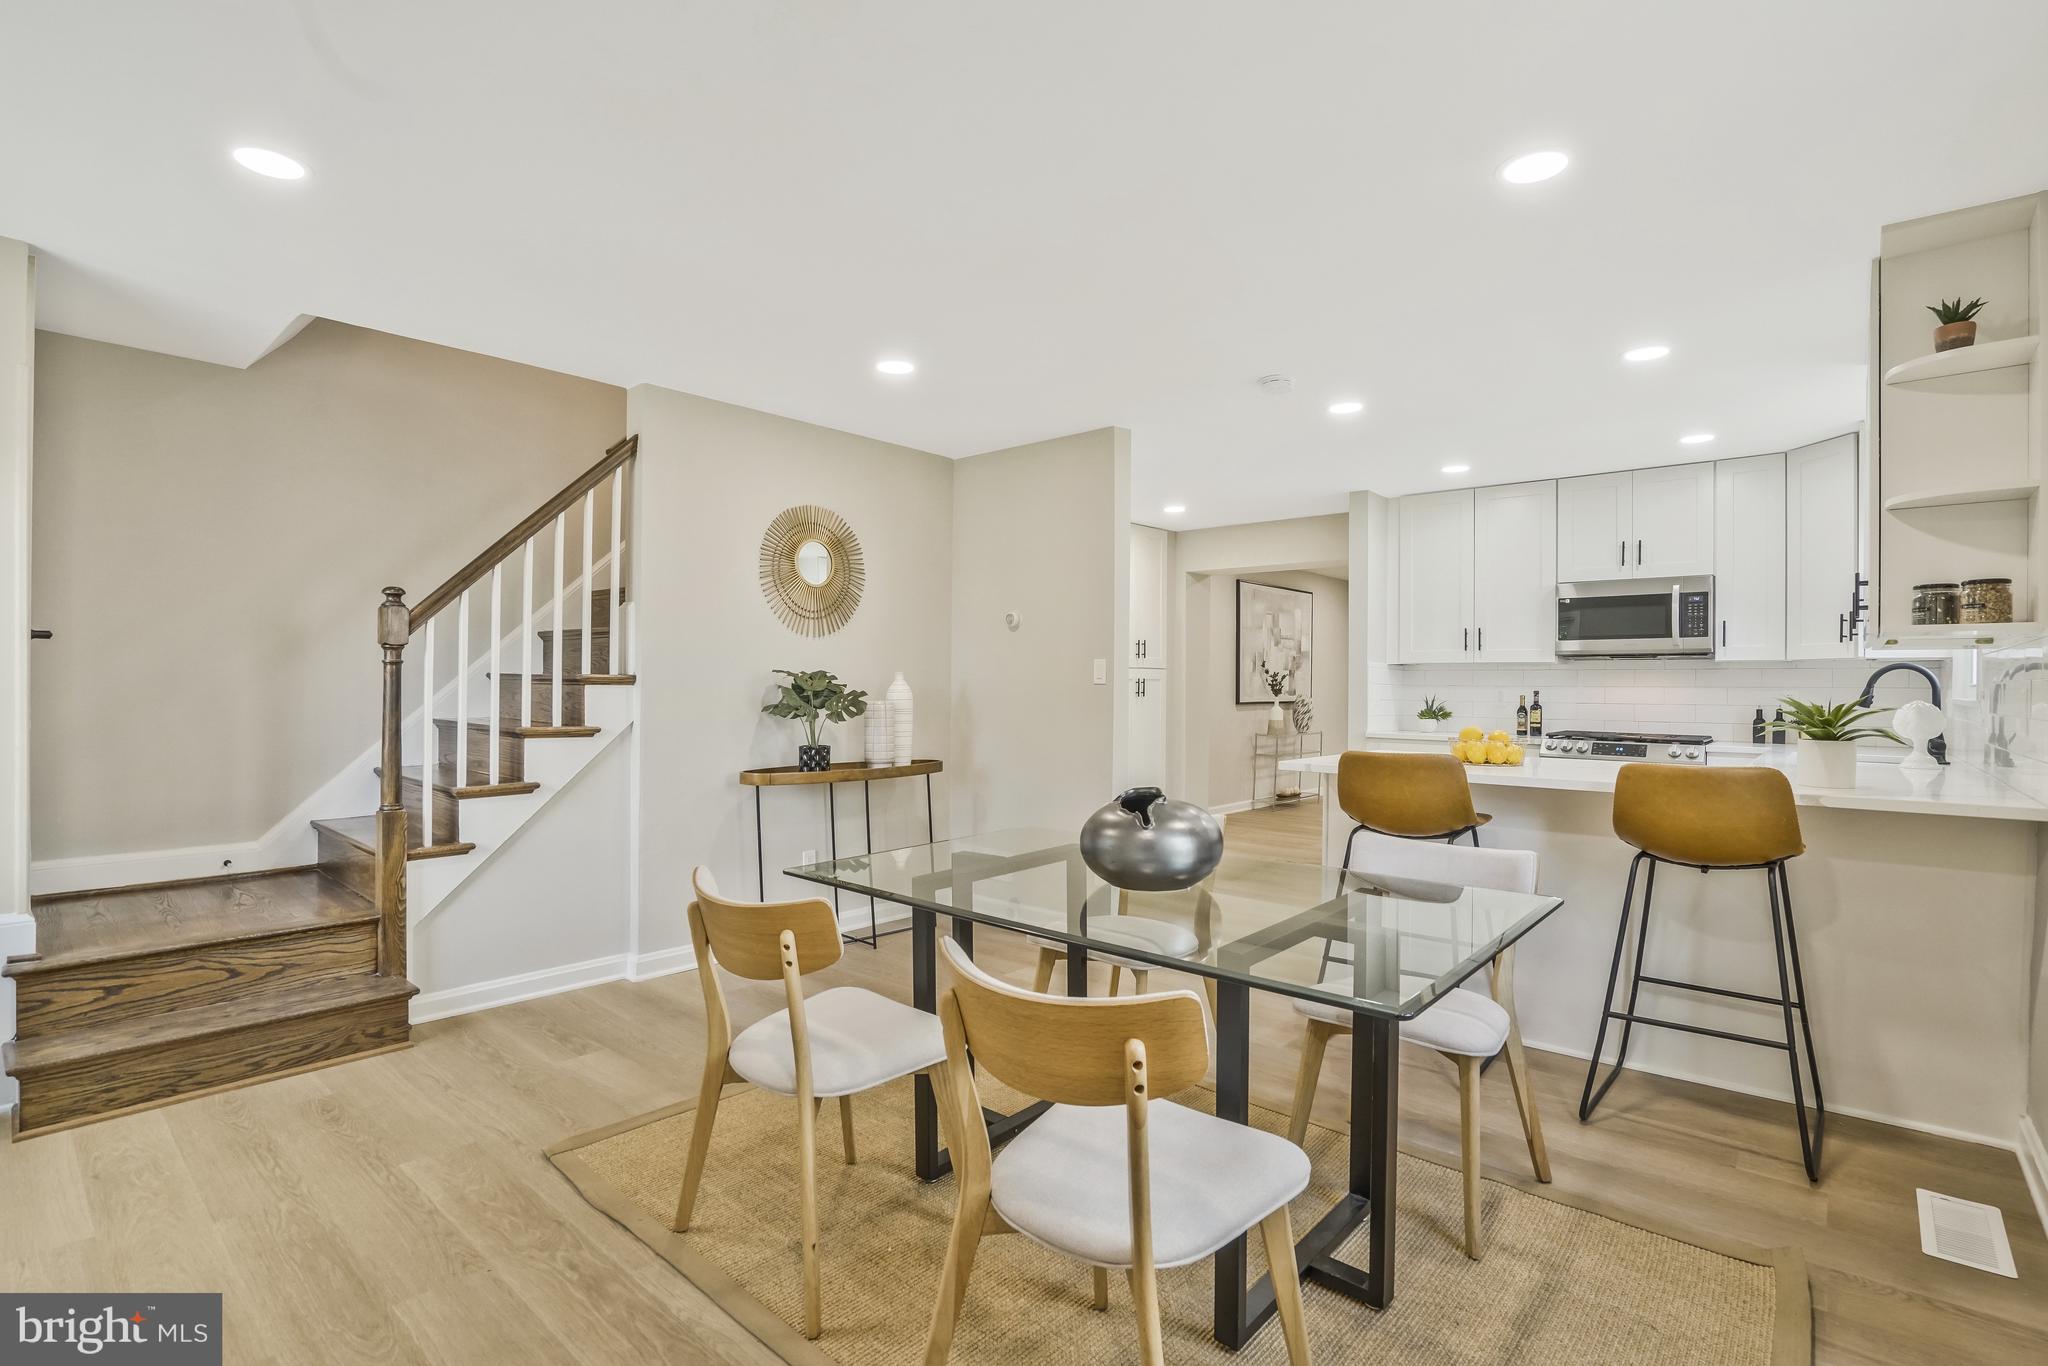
(1670, 616)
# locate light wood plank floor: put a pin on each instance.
(397, 1209)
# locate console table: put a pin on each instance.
(790, 775)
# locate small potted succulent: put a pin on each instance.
(1433, 711)
(1958, 322)
(815, 697)
(1828, 733)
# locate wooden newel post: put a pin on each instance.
(394, 625)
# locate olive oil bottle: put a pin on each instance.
(1536, 713)
(1522, 718)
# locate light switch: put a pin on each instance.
(1102, 671)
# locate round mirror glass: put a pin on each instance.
(813, 563)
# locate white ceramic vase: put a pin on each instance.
(900, 703)
(881, 735)
(1426, 724)
(1825, 763)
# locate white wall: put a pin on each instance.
(17, 424)
(710, 478)
(1039, 530)
(1218, 736)
(1292, 543)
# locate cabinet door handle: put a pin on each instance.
(1466, 641)
(1844, 632)
(1639, 554)
(1624, 555)
(1724, 633)
(1482, 637)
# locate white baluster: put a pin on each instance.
(560, 708)
(461, 713)
(429, 742)
(615, 659)
(589, 534)
(526, 643)
(490, 764)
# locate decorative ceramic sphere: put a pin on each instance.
(1145, 842)
(1917, 721)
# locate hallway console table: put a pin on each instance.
(852, 772)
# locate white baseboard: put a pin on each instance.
(1834, 1107)
(641, 967)
(525, 986)
(1229, 808)
(2034, 1165)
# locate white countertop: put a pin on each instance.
(1881, 784)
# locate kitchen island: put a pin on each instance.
(1916, 900)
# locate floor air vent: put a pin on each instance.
(1966, 1232)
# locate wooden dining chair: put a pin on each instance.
(837, 1043)
(1169, 938)
(1112, 1174)
(1468, 1027)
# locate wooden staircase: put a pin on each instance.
(140, 996)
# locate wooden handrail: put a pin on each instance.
(448, 592)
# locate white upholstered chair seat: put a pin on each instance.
(1465, 1022)
(1065, 1181)
(858, 1040)
(1157, 936)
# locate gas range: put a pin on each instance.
(1626, 746)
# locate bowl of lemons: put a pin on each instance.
(1476, 746)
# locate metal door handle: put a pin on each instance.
(1482, 637)
(38, 633)
(1639, 553)
(1624, 555)
(1843, 634)
(1466, 643)
(1724, 633)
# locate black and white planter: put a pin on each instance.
(813, 758)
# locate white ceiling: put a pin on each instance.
(1071, 213)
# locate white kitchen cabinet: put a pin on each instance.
(1820, 551)
(1148, 597)
(1749, 558)
(1145, 745)
(1595, 528)
(1433, 578)
(1673, 516)
(1514, 559)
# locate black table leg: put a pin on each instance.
(760, 849)
(924, 994)
(867, 822)
(1240, 1309)
(832, 834)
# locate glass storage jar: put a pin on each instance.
(1986, 601)
(1935, 604)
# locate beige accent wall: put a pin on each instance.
(1219, 731)
(711, 477)
(210, 546)
(1041, 531)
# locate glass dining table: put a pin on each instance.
(1254, 924)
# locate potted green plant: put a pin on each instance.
(1828, 732)
(1276, 684)
(815, 697)
(1958, 322)
(1433, 711)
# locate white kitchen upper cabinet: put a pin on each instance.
(1595, 539)
(1145, 742)
(1674, 521)
(1514, 561)
(1820, 554)
(1749, 558)
(1434, 578)
(1148, 597)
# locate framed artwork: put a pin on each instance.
(1274, 626)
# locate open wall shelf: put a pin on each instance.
(2009, 493)
(1965, 360)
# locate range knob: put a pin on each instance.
(1692, 754)
(1674, 751)
(1584, 748)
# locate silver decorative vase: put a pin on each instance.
(1145, 842)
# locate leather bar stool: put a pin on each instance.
(1716, 820)
(1408, 796)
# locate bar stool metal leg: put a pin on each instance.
(1587, 1098)
(1781, 935)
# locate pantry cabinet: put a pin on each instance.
(1514, 589)
(1636, 524)
(1148, 597)
(1749, 558)
(1820, 557)
(1146, 744)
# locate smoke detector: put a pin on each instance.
(1279, 386)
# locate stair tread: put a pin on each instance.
(80, 928)
(361, 831)
(70, 1047)
(411, 774)
(524, 732)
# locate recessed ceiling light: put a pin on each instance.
(263, 161)
(1345, 407)
(1174, 509)
(895, 367)
(1527, 170)
(1695, 438)
(1457, 469)
(1638, 355)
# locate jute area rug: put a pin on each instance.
(1559, 1285)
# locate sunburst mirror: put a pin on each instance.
(811, 570)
